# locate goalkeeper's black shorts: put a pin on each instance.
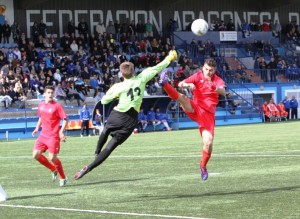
(121, 124)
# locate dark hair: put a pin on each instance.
(211, 62)
(49, 87)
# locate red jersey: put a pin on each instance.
(204, 94)
(51, 113)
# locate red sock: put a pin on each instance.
(173, 94)
(205, 158)
(59, 168)
(44, 161)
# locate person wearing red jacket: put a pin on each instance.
(282, 111)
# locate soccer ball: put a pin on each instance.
(199, 27)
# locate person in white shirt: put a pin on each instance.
(100, 28)
(17, 53)
(57, 75)
(74, 46)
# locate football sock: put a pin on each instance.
(59, 168)
(102, 139)
(44, 161)
(171, 91)
(205, 158)
(111, 145)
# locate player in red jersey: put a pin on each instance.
(51, 113)
(206, 87)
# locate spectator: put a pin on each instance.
(142, 121)
(83, 29)
(265, 26)
(57, 76)
(16, 30)
(6, 32)
(35, 32)
(21, 97)
(272, 65)
(71, 28)
(246, 29)
(74, 46)
(151, 117)
(162, 118)
(140, 30)
(277, 29)
(131, 31)
(4, 97)
(60, 94)
(274, 112)
(80, 87)
(110, 29)
(94, 85)
(72, 92)
(287, 106)
(230, 25)
(100, 30)
(35, 87)
(85, 117)
(149, 29)
(267, 114)
(282, 111)
(118, 30)
(294, 107)
(42, 29)
(98, 122)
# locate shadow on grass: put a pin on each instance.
(81, 183)
(40, 195)
(180, 196)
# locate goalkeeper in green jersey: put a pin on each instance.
(124, 117)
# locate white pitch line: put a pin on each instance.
(99, 211)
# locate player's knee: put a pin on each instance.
(52, 157)
(36, 155)
(208, 145)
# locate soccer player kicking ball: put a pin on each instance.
(124, 117)
(206, 87)
(51, 113)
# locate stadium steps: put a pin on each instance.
(234, 63)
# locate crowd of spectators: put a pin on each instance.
(79, 63)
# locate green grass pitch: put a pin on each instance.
(254, 173)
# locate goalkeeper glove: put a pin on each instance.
(172, 56)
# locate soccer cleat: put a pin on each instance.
(163, 77)
(63, 182)
(54, 175)
(81, 173)
(204, 173)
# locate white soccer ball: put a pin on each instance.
(199, 27)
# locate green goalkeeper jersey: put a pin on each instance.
(131, 91)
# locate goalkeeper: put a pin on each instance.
(124, 117)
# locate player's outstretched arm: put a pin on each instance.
(150, 72)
